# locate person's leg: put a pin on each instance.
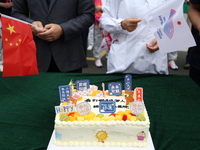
(172, 57)
(76, 71)
(187, 65)
(91, 38)
(53, 67)
(84, 39)
(97, 43)
(195, 32)
(195, 75)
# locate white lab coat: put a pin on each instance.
(128, 53)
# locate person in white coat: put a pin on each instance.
(134, 48)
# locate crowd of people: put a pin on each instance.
(62, 32)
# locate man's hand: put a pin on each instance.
(37, 28)
(130, 24)
(98, 8)
(52, 33)
(7, 5)
(153, 46)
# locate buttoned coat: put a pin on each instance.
(128, 53)
(74, 16)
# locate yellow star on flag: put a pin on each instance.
(11, 29)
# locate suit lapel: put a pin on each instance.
(52, 2)
(44, 3)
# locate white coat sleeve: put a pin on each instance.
(109, 20)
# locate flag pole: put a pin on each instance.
(20, 20)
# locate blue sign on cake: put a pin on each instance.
(82, 85)
(65, 93)
(115, 88)
(107, 107)
(128, 83)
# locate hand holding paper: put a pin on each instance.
(153, 46)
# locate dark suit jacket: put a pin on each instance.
(5, 11)
(74, 16)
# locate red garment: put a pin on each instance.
(97, 14)
(19, 50)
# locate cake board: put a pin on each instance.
(52, 146)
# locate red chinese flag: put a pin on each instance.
(19, 50)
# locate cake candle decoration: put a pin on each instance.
(83, 108)
(71, 83)
(103, 90)
(65, 93)
(82, 85)
(115, 88)
(138, 94)
(107, 107)
(128, 83)
(64, 109)
(136, 107)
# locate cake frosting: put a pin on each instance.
(97, 118)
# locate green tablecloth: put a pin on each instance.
(27, 108)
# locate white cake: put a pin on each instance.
(96, 128)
